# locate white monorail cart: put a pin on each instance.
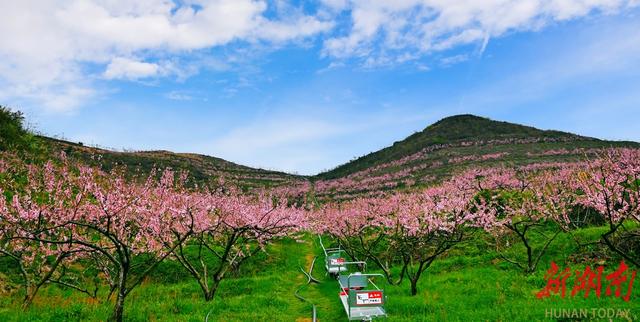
(333, 259)
(361, 298)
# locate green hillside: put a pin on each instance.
(451, 145)
(452, 129)
(435, 153)
(202, 169)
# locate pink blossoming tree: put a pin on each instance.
(230, 229)
(611, 185)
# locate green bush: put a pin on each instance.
(12, 132)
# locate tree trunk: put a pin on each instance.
(212, 292)
(28, 299)
(118, 310)
(612, 246)
(33, 288)
(415, 278)
(414, 287)
(205, 292)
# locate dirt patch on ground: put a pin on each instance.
(308, 259)
(305, 320)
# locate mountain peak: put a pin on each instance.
(462, 117)
(475, 128)
(452, 130)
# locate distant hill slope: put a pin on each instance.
(202, 168)
(451, 130)
(440, 150)
(452, 144)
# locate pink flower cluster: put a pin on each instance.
(609, 184)
(483, 157)
(576, 151)
(72, 212)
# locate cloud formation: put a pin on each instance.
(387, 32)
(130, 69)
(50, 48)
(53, 51)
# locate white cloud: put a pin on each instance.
(55, 52)
(302, 27)
(336, 4)
(50, 45)
(125, 68)
(383, 30)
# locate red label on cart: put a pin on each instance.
(337, 261)
(369, 298)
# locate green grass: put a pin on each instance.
(469, 284)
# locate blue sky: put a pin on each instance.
(305, 86)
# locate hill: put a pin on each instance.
(448, 131)
(202, 169)
(426, 157)
(450, 145)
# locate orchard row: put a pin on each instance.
(60, 216)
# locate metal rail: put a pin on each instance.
(310, 279)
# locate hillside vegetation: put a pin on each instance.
(449, 146)
(204, 170)
(451, 130)
(422, 159)
(13, 135)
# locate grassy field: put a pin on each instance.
(469, 284)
